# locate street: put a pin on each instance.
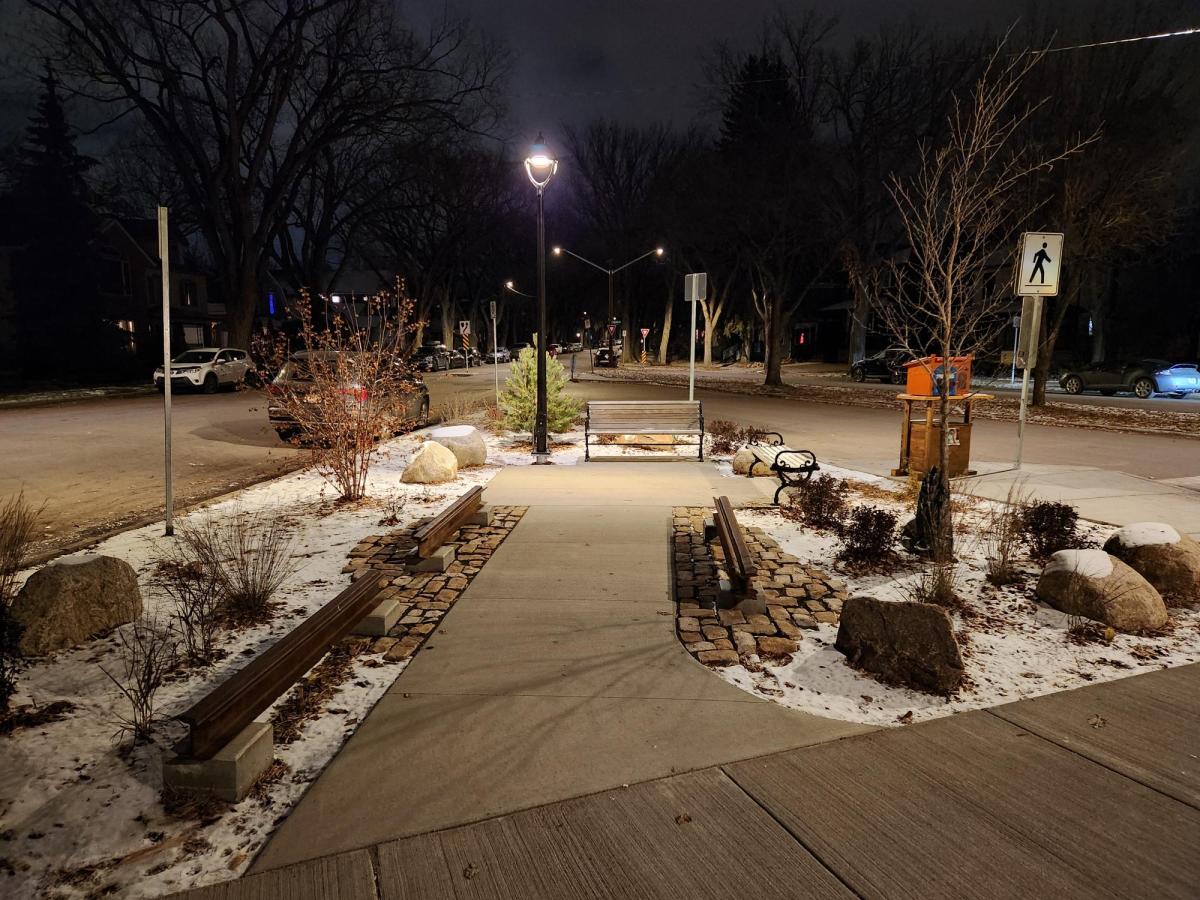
(97, 465)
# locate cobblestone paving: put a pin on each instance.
(425, 597)
(797, 597)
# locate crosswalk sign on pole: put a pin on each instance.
(1039, 264)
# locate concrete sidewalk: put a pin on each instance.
(557, 674)
(1092, 793)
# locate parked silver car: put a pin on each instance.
(207, 369)
(498, 355)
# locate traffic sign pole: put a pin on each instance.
(1039, 263)
(695, 289)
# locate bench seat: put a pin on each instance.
(649, 417)
(791, 466)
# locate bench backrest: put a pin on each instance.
(685, 415)
(438, 530)
(737, 555)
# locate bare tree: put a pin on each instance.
(244, 96)
(961, 214)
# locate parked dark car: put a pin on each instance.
(606, 358)
(1143, 377)
(407, 402)
(886, 366)
(431, 358)
(515, 349)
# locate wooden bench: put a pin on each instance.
(791, 466)
(739, 562)
(434, 533)
(234, 704)
(644, 417)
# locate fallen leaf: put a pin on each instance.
(1097, 721)
(682, 819)
(906, 718)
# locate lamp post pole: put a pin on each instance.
(541, 449)
(610, 272)
(540, 166)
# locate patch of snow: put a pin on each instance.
(451, 431)
(1146, 534)
(82, 817)
(1088, 563)
(1014, 647)
(75, 559)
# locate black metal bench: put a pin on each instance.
(739, 562)
(791, 466)
(644, 417)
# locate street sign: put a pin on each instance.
(695, 287)
(645, 332)
(1027, 335)
(612, 329)
(1039, 263)
(464, 327)
(587, 324)
(492, 307)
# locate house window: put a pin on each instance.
(129, 332)
(193, 335)
(115, 276)
(187, 290)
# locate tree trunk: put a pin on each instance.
(773, 342)
(241, 307)
(664, 339)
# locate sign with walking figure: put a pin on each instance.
(1039, 263)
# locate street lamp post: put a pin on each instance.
(610, 272)
(540, 166)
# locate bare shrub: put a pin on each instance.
(248, 557)
(197, 598)
(1049, 527)
(394, 510)
(819, 502)
(18, 522)
(148, 655)
(722, 434)
(465, 410)
(1003, 535)
(867, 538)
(347, 382)
(937, 585)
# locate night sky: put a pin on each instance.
(640, 60)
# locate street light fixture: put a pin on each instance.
(540, 166)
(657, 251)
(511, 287)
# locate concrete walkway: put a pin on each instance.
(1092, 793)
(556, 675)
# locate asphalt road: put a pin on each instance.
(97, 465)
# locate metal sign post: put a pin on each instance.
(165, 261)
(1039, 262)
(695, 289)
(645, 334)
(464, 331)
(495, 352)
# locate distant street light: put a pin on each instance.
(540, 166)
(511, 287)
(657, 251)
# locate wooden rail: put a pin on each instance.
(236, 702)
(438, 530)
(739, 562)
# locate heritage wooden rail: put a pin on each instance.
(739, 562)
(235, 703)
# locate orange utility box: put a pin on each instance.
(925, 374)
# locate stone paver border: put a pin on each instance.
(797, 597)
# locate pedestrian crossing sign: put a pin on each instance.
(1039, 263)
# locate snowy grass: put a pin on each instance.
(80, 815)
(1013, 646)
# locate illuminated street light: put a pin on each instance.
(657, 251)
(540, 166)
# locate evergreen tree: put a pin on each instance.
(55, 273)
(518, 400)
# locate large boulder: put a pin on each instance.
(746, 463)
(1095, 585)
(431, 464)
(909, 643)
(1167, 559)
(464, 441)
(74, 599)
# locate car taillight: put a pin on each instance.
(358, 393)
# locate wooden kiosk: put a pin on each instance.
(919, 430)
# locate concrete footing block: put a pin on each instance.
(379, 621)
(232, 771)
(483, 518)
(710, 529)
(438, 561)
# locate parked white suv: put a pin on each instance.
(206, 368)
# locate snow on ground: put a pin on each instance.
(78, 818)
(1015, 647)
